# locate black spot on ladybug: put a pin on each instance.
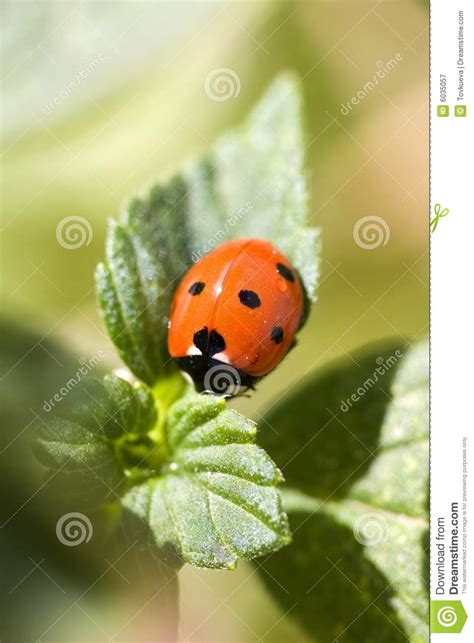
(200, 339)
(249, 298)
(197, 288)
(216, 343)
(285, 272)
(277, 334)
(208, 343)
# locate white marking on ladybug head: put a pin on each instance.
(193, 350)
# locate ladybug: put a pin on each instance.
(235, 315)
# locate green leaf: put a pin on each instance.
(81, 462)
(133, 407)
(251, 183)
(83, 446)
(358, 475)
(215, 500)
(113, 406)
(145, 258)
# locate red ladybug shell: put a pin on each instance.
(241, 305)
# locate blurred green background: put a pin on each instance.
(131, 106)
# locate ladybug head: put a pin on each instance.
(214, 376)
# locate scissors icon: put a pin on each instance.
(439, 214)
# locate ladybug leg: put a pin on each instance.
(249, 386)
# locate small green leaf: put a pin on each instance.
(251, 183)
(216, 499)
(358, 476)
(84, 445)
(136, 284)
(113, 407)
(66, 445)
(81, 461)
(133, 407)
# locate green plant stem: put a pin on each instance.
(165, 392)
